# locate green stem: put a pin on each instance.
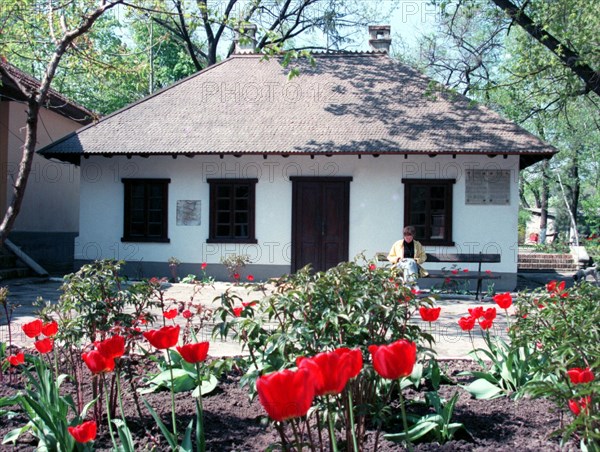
(201, 440)
(172, 396)
(404, 421)
(119, 395)
(351, 415)
(109, 420)
(331, 427)
(297, 437)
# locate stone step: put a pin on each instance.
(12, 273)
(544, 261)
(12, 267)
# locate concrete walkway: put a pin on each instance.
(451, 341)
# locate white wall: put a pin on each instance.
(51, 202)
(376, 205)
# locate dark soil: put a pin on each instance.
(234, 423)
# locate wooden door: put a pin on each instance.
(320, 221)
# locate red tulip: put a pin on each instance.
(286, 394)
(486, 324)
(395, 360)
(554, 286)
(504, 300)
(332, 370)
(44, 345)
(580, 406)
(84, 433)
(194, 353)
(236, 276)
(466, 323)
(455, 272)
(170, 315)
(97, 362)
(33, 329)
(372, 267)
(489, 314)
(165, 337)
(447, 280)
(476, 312)
(250, 278)
(249, 304)
(466, 270)
(17, 359)
(429, 314)
(187, 314)
(50, 329)
(111, 348)
(238, 311)
(489, 272)
(578, 375)
(414, 292)
(203, 266)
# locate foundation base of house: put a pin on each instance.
(52, 250)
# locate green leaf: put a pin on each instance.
(207, 386)
(163, 428)
(186, 444)
(13, 435)
(483, 389)
(124, 436)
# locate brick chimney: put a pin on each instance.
(379, 38)
(245, 39)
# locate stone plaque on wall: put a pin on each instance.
(488, 187)
(188, 213)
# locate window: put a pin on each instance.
(232, 210)
(146, 210)
(428, 207)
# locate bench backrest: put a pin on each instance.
(463, 257)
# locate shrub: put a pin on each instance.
(563, 326)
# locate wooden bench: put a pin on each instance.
(462, 258)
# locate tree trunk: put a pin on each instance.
(544, 203)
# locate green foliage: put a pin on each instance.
(97, 299)
(437, 426)
(506, 369)
(46, 408)
(563, 326)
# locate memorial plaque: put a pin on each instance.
(487, 187)
(188, 213)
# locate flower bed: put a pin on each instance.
(336, 361)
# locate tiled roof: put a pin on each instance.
(55, 100)
(348, 103)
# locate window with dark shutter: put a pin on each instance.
(428, 207)
(232, 210)
(146, 210)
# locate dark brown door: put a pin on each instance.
(320, 219)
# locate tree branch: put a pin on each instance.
(570, 58)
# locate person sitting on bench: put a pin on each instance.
(408, 255)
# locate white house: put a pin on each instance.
(239, 159)
(49, 218)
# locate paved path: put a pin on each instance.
(451, 342)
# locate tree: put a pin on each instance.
(67, 26)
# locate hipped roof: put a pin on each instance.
(55, 101)
(348, 103)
